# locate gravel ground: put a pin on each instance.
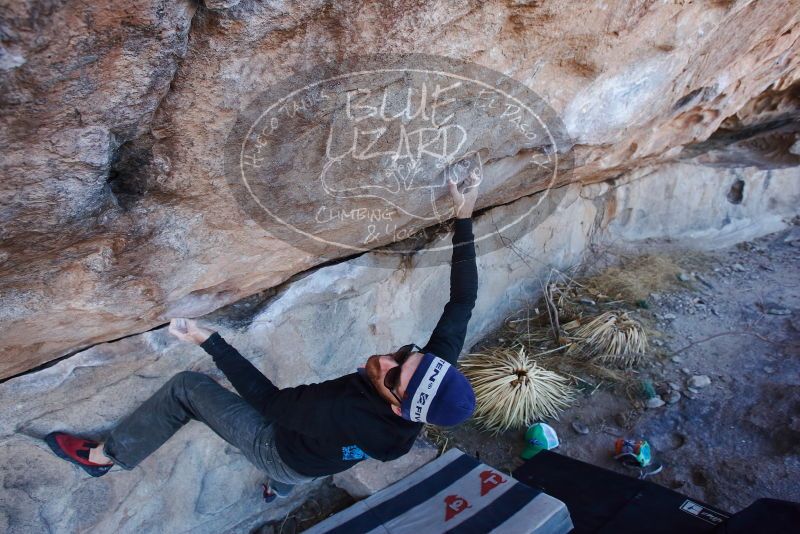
(735, 325)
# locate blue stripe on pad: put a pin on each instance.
(413, 496)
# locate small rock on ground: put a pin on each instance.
(699, 381)
(580, 428)
(778, 311)
(654, 402)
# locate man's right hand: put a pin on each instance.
(189, 330)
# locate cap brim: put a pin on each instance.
(530, 451)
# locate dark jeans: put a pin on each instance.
(189, 395)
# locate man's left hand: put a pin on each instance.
(465, 195)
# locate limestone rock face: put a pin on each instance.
(117, 209)
(317, 327)
(114, 209)
(198, 484)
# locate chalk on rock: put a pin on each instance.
(221, 4)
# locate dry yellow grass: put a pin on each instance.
(636, 279)
(582, 331)
(439, 436)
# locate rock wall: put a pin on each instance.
(319, 327)
(114, 215)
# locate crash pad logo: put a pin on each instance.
(348, 157)
(454, 505)
(489, 481)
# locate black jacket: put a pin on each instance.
(326, 428)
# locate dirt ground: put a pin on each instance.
(736, 320)
(733, 316)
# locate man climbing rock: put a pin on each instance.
(298, 434)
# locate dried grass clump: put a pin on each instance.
(612, 337)
(636, 279)
(527, 327)
(512, 391)
(439, 436)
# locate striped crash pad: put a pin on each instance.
(454, 493)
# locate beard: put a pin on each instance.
(373, 369)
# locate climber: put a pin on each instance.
(301, 433)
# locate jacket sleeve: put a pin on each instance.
(448, 337)
(303, 409)
(248, 381)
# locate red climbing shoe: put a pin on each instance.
(268, 494)
(76, 450)
(275, 490)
